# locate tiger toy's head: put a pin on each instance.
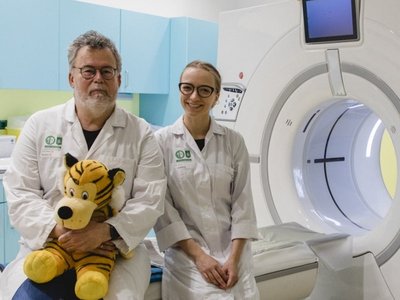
(88, 188)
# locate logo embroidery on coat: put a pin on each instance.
(53, 142)
(183, 155)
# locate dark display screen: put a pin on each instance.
(330, 21)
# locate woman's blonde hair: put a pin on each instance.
(198, 64)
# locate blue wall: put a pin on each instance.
(190, 39)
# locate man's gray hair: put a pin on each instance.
(94, 40)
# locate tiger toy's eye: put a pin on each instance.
(71, 192)
(85, 195)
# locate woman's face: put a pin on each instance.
(193, 103)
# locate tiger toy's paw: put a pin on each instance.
(91, 285)
(40, 266)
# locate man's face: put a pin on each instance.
(97, 93)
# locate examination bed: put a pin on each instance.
(286, 260)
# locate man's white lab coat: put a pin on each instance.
(32, 186)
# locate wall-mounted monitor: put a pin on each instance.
(330, 21)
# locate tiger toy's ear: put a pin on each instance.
(118, 195)
(117, 175)
(70, 160)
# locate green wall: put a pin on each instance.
(26, 102)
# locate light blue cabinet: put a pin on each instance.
(29, 44)
(190, 39)
(2, 217)
(8, 235)
(77, 18)
(35, 35)
(145, 44)
(11, 236)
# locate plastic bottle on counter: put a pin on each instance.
(15, 124)
(3, 125)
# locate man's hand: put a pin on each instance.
(89, 239)
(57, 231)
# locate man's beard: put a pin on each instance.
(98, 105)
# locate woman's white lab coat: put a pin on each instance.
(208, 199)
(32, 186)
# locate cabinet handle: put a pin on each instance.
(126, 79)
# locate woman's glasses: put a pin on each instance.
(203, 91)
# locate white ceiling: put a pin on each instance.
(198, 9)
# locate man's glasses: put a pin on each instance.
(89, 72)
(203, 91)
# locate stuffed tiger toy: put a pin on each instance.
(88, 190)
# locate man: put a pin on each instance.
(89, 126)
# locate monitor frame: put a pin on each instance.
(355, 36)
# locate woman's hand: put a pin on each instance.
(231, 266)
(231, 271)
(208, 267)
(211, 270)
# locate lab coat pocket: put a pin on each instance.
(223, 180)
(127, 164)
(183, 173)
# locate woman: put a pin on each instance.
(209, 215)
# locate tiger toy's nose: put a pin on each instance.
(65, 212)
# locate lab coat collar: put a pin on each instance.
(117, 119)
(178, 127)
(70, 115)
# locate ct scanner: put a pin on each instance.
(320, 113)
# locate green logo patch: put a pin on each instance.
(53, 142)
(183, 155)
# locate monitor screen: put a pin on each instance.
(330, 21)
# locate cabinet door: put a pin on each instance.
(29, 44)
(75, 19)
(145, 53)
(11, 239)
(2, 217)
(190, 39)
